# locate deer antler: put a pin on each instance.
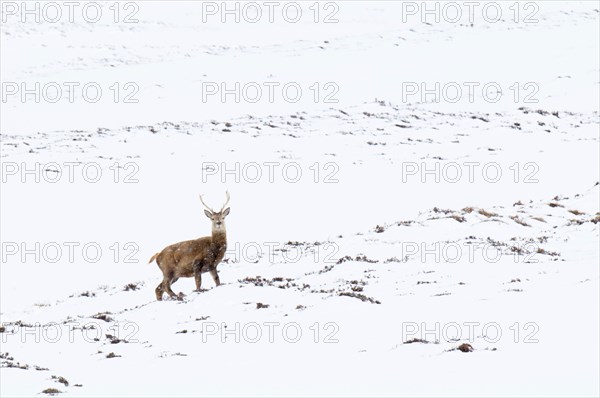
(226, 202)
(222, 208)
(205, 205)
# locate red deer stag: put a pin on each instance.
(194, 257)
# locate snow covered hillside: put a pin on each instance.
(415, 198)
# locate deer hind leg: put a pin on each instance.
(166, 285)
(215, 276)
(159, 291)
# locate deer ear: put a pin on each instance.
(208, 214)
(226, 212)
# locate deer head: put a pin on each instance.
(217, 218)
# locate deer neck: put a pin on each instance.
(219, 237)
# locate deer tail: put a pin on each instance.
(153, 257)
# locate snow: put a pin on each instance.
(398, 226)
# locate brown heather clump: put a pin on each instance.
(487, 214)
(51, 391)
(458, 218)
(519, 221)
(416, 340)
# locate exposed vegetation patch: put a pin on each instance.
(542, 112)
(356, 285)
(483, 119)
(519, 221)
(443, 211)
(360, 257)
(452, 214)
(548, 253)
(132, 286)
(103, 316)
(417, 340)
(61, 379)
(487, 214)
(465, 347)
(51, 391)
(458, 218)
(278, 282)
(115, 339)
(392, 260)
(6, 361)
(359, 296)
(112, 355)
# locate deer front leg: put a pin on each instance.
(215, 276)
(198, 278)
(198, 274)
